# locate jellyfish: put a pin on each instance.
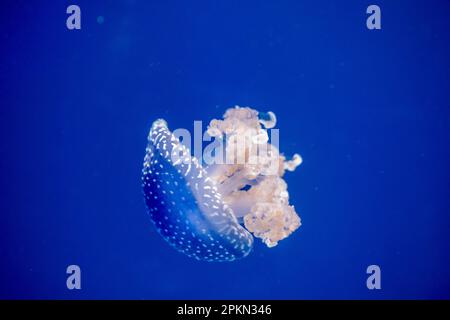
(212, 212)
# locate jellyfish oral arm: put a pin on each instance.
(254, 188)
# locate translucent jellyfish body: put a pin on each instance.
(211, 211)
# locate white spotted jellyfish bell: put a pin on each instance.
(212, 211)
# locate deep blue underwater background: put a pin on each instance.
(369, 111)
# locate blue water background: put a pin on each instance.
(369, 111)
